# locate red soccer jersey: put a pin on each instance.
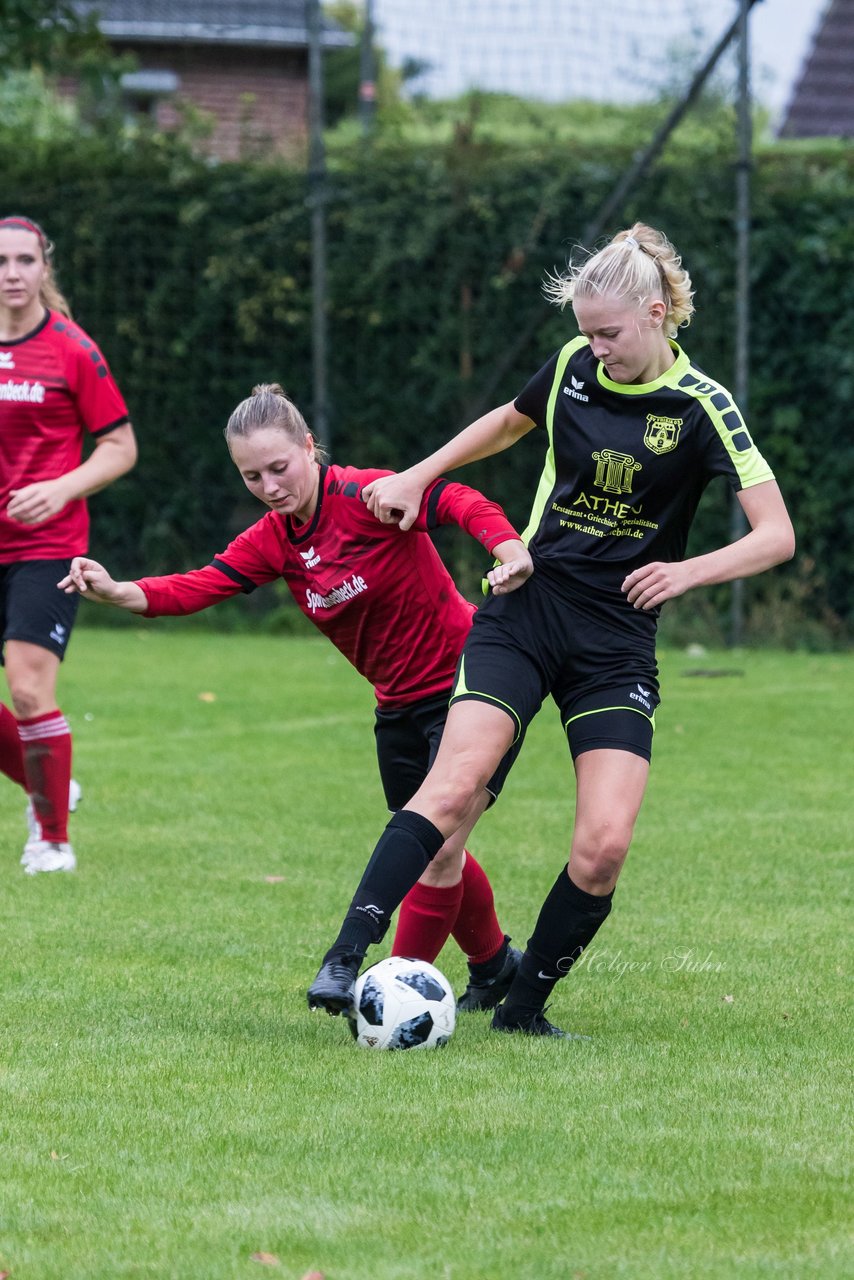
(54, 385)
(383, 597)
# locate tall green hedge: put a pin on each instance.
(195, 279)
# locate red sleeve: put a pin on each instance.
(180, 593)
(253, 558)
(99, 401)
(447, 502)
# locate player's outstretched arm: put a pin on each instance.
(90, 579)
(515, 567)
(396, 499)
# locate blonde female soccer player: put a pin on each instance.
(633, 434)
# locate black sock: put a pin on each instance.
(567, 923)
(492, 967)
(404, 851)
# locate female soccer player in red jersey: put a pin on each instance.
(635, 432)
(385, 599)
(55, 390)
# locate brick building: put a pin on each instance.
(244, 63)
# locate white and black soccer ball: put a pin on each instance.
(402, 1004)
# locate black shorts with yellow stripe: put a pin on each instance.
(601, 673)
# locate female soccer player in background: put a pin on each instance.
(55, 389)
(634, 434)
(385, 599)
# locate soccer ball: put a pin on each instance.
(402, 1004)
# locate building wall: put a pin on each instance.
(257, 97)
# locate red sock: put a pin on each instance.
(476, 929)
(46, 741)
(427, 915)
(11, 753)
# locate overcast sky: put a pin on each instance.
(594, 48)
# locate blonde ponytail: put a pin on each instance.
(50, 294)
(638, 265)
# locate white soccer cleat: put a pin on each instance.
(34, 827)
(46, 855)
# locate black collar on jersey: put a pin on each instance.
(16, 342)
(308, 530)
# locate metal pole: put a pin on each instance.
(368, 73)
(317, 203)
(738, 523)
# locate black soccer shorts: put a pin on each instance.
(602, 675)
(32, 608)
(407, 741)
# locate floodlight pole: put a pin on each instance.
(738, 523)
(317, 195)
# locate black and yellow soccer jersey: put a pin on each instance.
(626, 466)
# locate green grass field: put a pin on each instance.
(169, 1108)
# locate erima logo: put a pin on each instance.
(6, 361)
(642, 697)
(310, 557)
(575, 390)
(59, 633)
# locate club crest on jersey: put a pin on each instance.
(662, 434)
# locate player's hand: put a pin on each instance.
(654, 583)
(89, 578)
(516, 567)
(37, 502)
(394, 499)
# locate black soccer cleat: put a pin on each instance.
(536, 1025)
(486, 993)
(332, 989)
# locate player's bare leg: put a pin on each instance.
(611, 786)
